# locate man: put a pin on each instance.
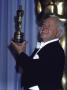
(43, 70)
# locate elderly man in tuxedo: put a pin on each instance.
(43, 70)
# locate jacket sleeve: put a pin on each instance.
(25, 62)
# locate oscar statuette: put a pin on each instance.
(18, 34)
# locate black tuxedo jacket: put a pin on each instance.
(47, 71)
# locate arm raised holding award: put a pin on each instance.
(18, 44)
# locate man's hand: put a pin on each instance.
(19, 47)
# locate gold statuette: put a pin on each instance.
(18, 35)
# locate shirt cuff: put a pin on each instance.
(34, 87)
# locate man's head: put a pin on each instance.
(51, 28)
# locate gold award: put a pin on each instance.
(18, 35)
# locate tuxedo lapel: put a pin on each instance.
(34, 52)
(44, 49)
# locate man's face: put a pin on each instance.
(49, 29)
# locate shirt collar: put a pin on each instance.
(42, 44)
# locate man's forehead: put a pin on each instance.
(51, 19)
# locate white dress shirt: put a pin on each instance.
(41, 45)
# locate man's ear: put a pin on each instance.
(59, 33)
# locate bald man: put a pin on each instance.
(43, 70)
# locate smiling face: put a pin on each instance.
(49, 29)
